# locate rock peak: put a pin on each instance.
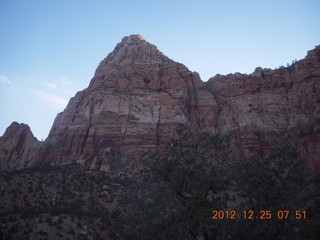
(17, 128)
(138, 97)
(131, 57)
(135, 41)
(134, 37)
(131, 48)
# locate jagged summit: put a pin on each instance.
(16, 128)
(138, 97)
(134, 37)
(134, 49)
(136, 63)
(18, 147)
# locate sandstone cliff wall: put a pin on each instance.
(18, 147)
(138, 97)
(272, 107)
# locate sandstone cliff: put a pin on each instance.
(18, 147)
(138, 97)
(272, 107)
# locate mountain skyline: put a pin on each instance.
(50, 50)
(138, 97)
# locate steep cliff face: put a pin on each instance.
(134, 103)
(18, 147)
(272, 107)
(138, 97)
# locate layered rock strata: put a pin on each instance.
(271, 108)
(138, 97)
(134, 103)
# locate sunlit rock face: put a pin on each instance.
(138, 97)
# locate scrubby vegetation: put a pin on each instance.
(191, 190)
(48, 202)
(195, 191)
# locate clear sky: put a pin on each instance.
(49, 49)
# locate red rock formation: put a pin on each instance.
(18, 147)
(134, 103)
(138, 97)
(272, 107)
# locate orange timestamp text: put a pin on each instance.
(260, 214)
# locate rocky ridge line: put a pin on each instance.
(138, 97)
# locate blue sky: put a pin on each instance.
(50, 49)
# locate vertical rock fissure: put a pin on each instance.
(128, 119)
(60, 156)
(78, 105)
(157, 127)
(71, 144)
(218, 111)
(91, 111)
(11, 153)
(196, 103)
(19, 146)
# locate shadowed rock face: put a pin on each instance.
(138, 97)
(18, 147)
(134, 103)
(271, 108)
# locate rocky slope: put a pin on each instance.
(138, 97)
